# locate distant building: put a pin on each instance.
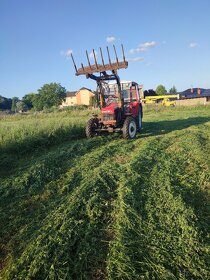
(70, 99)
(83, 96)
(194, 93)
(194, 96)
(80, 97)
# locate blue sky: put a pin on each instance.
(166, 41)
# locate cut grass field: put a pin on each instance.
(105, 208)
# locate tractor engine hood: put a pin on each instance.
(110, 109)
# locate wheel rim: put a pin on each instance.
(132, 129)
(94, 126)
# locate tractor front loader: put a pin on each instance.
(119, 101)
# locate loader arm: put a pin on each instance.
(102, 70)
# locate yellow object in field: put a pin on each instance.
(165, 100)
(148, 101)
(168, 102)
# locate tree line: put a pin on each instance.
(160, 90)
(48, 95)
(52, 95)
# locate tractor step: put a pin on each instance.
(109, 129)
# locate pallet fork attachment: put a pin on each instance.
(100, 68)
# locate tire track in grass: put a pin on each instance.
(31, 179)
(156, 233)
(28, 196)
(85, 212)
(191, 179)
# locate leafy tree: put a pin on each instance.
(50, 95)
(28, 99)
(1, 99)
(14, 101)
(173, 90)
(1, 102)
(161, 90)
(93, 100)
(21, 106)
(5, 103)
(37, 102)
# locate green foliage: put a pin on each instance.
(14, 101)
(93, 100)
(161, 90)
(105, 208)
(21, 106)
(5, 103)
(37, 103)
(49, 95)
(173, 90)
(29, 99)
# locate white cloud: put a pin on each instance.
(135, 59)
(66, 53)
(143, 47)
(148, 45)
(69, 52)
(91, 55)
(193, 45)
(110, 39)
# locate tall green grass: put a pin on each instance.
(22, 133)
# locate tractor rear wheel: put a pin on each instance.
(92, 124)
(129, 128)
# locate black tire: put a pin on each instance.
(129, 128)
(92, 124)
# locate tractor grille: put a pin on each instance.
(107, 117)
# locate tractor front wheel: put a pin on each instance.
(129, 128)
(91, 126)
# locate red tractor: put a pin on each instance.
(120, 102)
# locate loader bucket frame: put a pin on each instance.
(102, 69)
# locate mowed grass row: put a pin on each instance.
(162, 212)
(66, 233)
(107, 208)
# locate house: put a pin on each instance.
(194, 96)
(83, 96)
(70, 100)
(80, 97)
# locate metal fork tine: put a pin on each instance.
(73, 62)
(109, 56)
(95, 59)
(116, 55)
(123, 52)
(88, 59)
(102, 57)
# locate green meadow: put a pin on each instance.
(105, 208)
